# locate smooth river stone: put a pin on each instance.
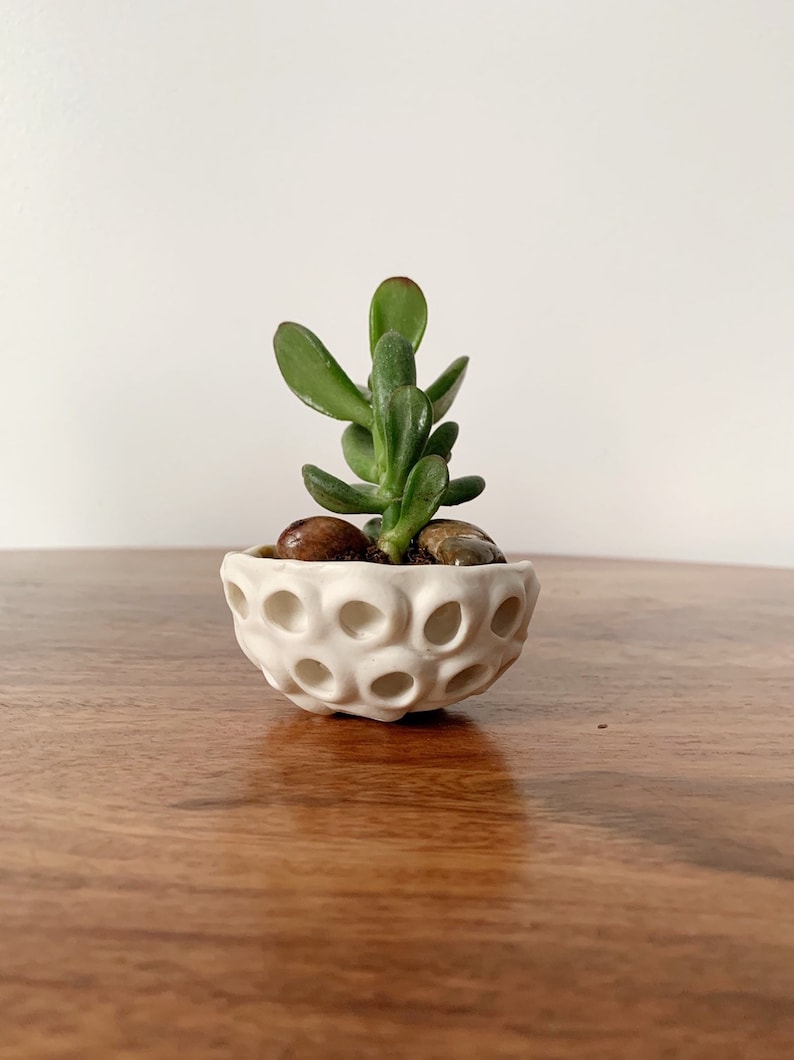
(456, 551)
(432, 535)
(321, 538)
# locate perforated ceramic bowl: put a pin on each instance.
(378, 640)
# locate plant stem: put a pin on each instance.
(391, 549)
(377, 444)
(385, 543)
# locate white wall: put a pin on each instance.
(596, 197)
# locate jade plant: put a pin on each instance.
(394, 442)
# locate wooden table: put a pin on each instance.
(595, 859)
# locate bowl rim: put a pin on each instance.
(257, 552)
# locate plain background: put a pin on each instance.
(596, 196)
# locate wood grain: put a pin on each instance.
(191, 866)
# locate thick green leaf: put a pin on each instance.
(442, 440)
(337, 496)
(444, 390)
(424, 491)
(312, 373)
(409, 418)
(397, 305)
(369, 489)
(359, 452)
(372, 527)
(393, 365)
(463, 489)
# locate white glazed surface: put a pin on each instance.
(377, 640)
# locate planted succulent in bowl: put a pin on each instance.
(409, 612)
(390, 444)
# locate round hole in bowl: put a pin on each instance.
(466, 679)
(444, 623)
(506, 617)
(285, 610)
(390, 686)
(314, 675)
(360, 619)
(237, 600)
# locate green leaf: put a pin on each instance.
(444, 390)
(409, 418)
(393, 365)
(369, 489)
(390, 517)
(337, 496)
(312, 373)
(463, 489)
(359, 452)
(372, 527)
(424, 491)
(442, 440)
(397, 305)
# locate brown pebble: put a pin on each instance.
(457, 543)
(436, 531)
(468, 552)
(321, 538)
(603, 725)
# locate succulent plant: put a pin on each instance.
(390, 443)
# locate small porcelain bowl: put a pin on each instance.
(378, 640)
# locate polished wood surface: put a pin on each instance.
(191, 866)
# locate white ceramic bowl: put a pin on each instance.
(378, 640)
